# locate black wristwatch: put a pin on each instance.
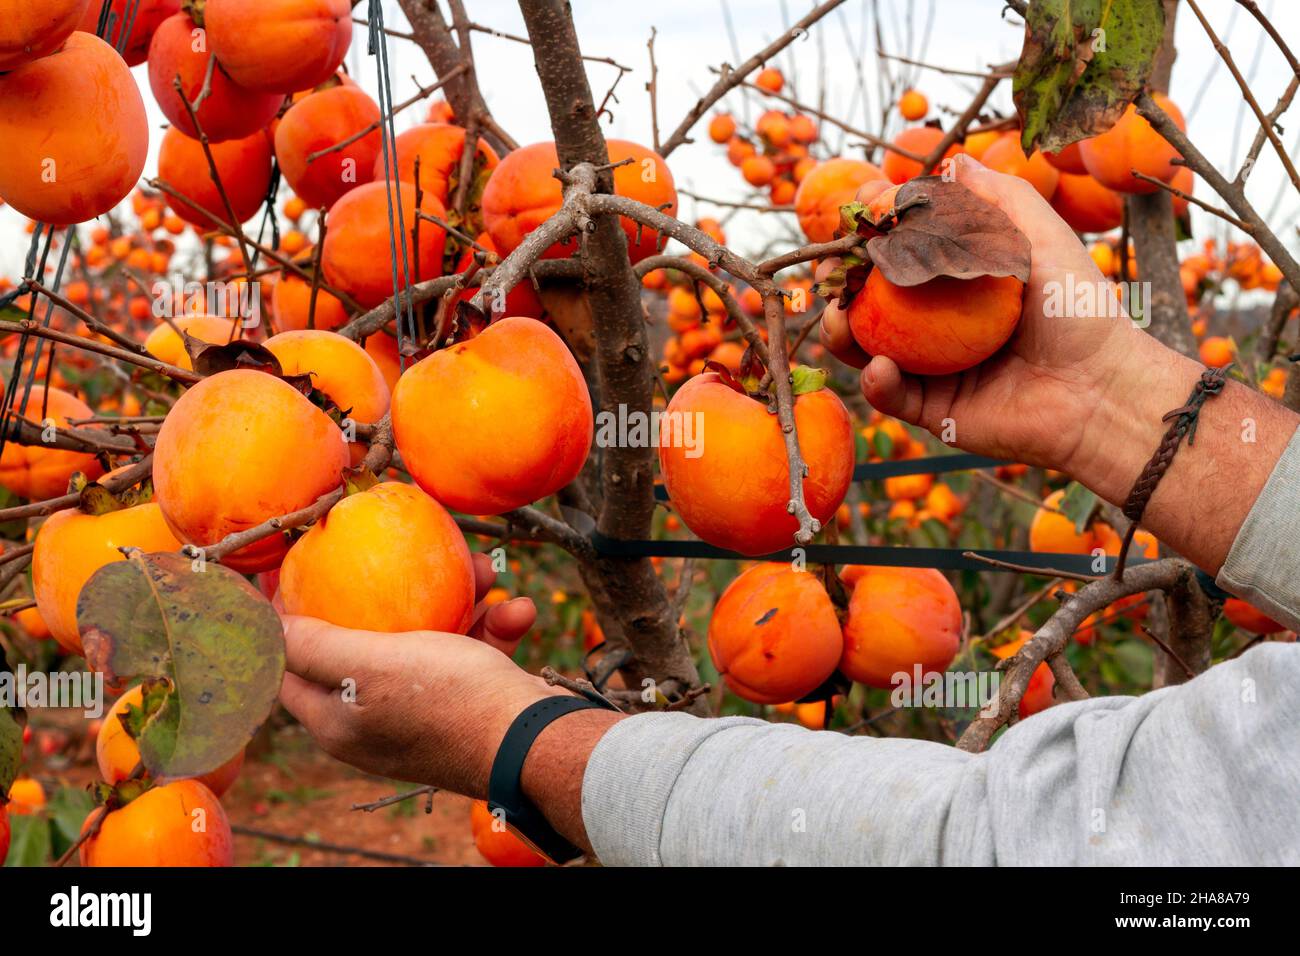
(505, 788)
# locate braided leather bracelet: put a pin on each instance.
(1184, 423)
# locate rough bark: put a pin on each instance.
(628, 590)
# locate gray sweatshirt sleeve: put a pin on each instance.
(1207, 772)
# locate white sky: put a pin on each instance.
(693, 36)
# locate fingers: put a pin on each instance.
(837, 338)
(309, 703)
(484, 575)
(320, 652)
(888, 390)
(503, 625)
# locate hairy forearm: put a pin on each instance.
(553, 772)
(1204, 497)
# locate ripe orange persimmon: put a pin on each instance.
(1038, 694)
(29, 31)
(522, 194)
(774, 635)
(1052, 532)
(356, 257)
(26, 796)
(1067, 159)
(237, 449)
(1006, 156)
(340, 369)
(165, 342)
(728, 478)
(33, 472)
(900, 618)
(33, 623)
(383, 349)
(393, 533)
(975, 144)
(72, 545)
(913, 105)
(117, 753)
(1217, 351)
(172, 824)
(1086, 205)
(318, 122)
(439, 147)
(1132, 144)
(514, 422)
(291, 305)
(75, 131)
(920, 140)
(279, 46)
(1250, 619)
(227, 112)
(722, 127)
(521, 300)
(497, 844)
(939, 327)
(145, 17)
(826, 188)
(770, 79)
(757, 170)
(243, 164)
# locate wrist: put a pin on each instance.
(556, 764)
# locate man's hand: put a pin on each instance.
(1031, 402)
(421, 706)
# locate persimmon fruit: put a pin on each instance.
(291, 306)
(732, 490)
(827, 187)
(919, 140)
(117, 754)
(392, 533)
(522, 193)
(34, 472)
(167, 344)
(1251, 620)
(357, 254)
(322, 120)
(145, 16)
(1038, 694)
(244, 166)
(1086, 205)
(774, 635)
(75, 131)
(899, 619)
(438, 147)
(513, 421)
(72, 545)
(939, 327)
(179, 824)
(496, 843)
(279, 46)
(1132, 144)
(227, 112)
(237, 449)
(29, 31)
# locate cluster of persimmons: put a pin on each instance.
(496, 420)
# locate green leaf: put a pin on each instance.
(1082, 63)
(68, 809)
(11, 749)
(209, 632)
(1078, 504)
(29, 840)
(804, 380)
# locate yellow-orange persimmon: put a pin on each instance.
(75, 133)
(319, 122)
(392, 533)
(824, 190)
(29, 31)
(71, 546)
(357, 253)
(279, 46)
(1086, 205)
(173, 824)
(514, 420)
(522, 193)
(938, 327)
(1244, 615)
(495, 841)
(774, 635)
(291, 306)
(1052, 532)
(920, 141)
(35, 472)
(1038, 694)
(166, 343)
(728, 477)
(237, 449)
(438, 147)
(117, 754)
(244, 166)
(900, 619)
(1132, 144)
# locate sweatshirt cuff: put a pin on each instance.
(1264, 563)
(630, 776)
